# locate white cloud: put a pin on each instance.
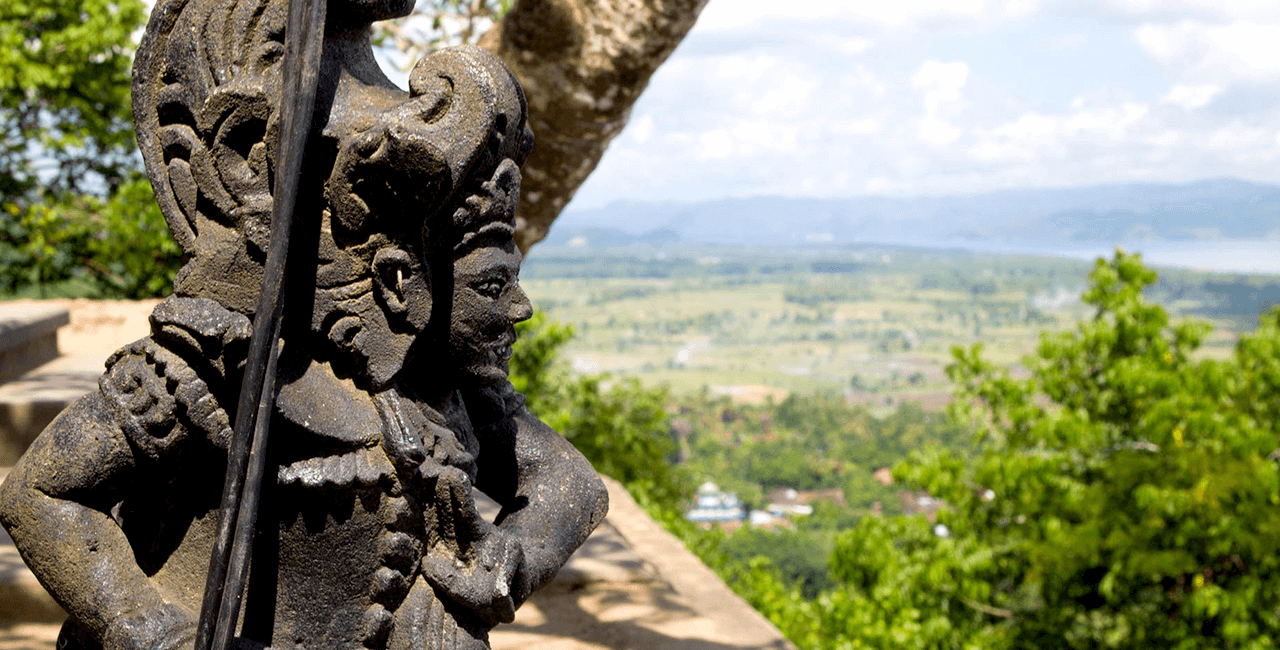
(854, 46)
(1237, 51)
(1213, 9)
(1165, 139)
(1191, 97)
(937, 131)
(1072, 41)
(866, 126)
(734, 15)
(1030, 127)
(715, 145)
(1112, 123)
(785, 95)
(837, 98)
(1025, 139)
(641, 128)
(941, 82)
(1236, 137)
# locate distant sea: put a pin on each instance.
(1234, 256)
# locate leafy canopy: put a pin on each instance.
(1125, 496)
(76, 214)
(64, 94)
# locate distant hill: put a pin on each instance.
(1133, 213)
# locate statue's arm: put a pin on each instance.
(551, 497)
(56, 506)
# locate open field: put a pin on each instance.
(876, 323)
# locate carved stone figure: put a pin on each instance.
(393, 399)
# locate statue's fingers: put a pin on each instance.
(441, 572)
(508, 556)
(455, 508)
(502, 605)
(470, 526)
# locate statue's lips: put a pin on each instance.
(502, 348)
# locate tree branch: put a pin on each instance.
(583, 64)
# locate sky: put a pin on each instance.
(842, 98)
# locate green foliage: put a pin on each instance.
(808, 442)
(133, 253)
(535, 369)
(64, 94)
(39, 247)
(1124, 497)
(903, 586)
(799, 557)
(76, 216)
(620, 426)
(117, 247)
(817, 441)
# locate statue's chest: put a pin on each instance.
(345, 558)
(351, 531)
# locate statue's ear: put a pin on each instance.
(402, 285)
(390, 266)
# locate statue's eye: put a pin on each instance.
(489, 288)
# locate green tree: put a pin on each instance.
(73, 203)
(64, 95)
(1125, 496)
(132, 254)
(85, 245)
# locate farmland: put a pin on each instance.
(875, 323)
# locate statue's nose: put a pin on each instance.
(521, 308)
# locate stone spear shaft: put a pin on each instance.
(246, 457)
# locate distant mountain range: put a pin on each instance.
(1225, 209)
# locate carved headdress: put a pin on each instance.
(381, 165)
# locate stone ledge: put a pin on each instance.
(30, 402)
(28, 335)
(668, 601)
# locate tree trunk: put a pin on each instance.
(583, 64)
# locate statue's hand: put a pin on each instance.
(483, 585)
(477, 568)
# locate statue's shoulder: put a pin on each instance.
(177, 381)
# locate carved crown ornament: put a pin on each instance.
(380, 163)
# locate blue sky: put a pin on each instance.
(836, 98)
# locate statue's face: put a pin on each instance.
(487, 303)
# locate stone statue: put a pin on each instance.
(393, 399)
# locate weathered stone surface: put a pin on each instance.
(667, 601)
(393, 401)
